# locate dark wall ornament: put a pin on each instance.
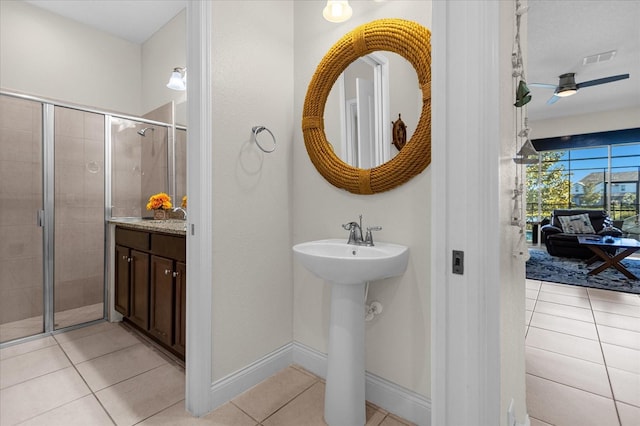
(399, 132)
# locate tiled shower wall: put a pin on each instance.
(79, 208)
(154, 166)
(139, 167)
(20, 198)
(154, 156)
(126, 193)
(181, 165)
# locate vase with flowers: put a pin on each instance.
(160, 203)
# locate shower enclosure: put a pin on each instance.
(64, 171)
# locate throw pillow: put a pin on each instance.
(577, 224)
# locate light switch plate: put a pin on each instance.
(458, 262)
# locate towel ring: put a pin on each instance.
(256, 131)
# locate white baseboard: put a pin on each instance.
(398, 400)
(227, 388)
(381, 392)
(310, 359)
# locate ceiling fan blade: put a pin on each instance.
(552, 100)
(544, 85)
(602, 80)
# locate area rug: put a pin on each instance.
(542, 266)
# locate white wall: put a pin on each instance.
(46, 55)
(161, 53)
(397, 341)
(252, 46)
(586, 123)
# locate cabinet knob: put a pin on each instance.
(167, 271)
(176, 274)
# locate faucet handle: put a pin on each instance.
(368, 239)
(349, 226)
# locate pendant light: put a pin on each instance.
(337, 11)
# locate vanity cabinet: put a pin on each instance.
(123, 280)
(150, 284)
(132, 289)
(168, 294)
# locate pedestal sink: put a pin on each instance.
(348, 268)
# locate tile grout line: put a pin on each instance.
(156, 413)
(533, 311)
(562, 332)
(581, 390)
(565, 355)
(86, 384)
(34, 377)
(571, 386)
(144, 343)
(69, 402)
(606, 367)
(282, 406)
(569, 306)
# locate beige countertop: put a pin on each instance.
(170, 226)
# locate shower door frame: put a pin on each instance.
(46, 216)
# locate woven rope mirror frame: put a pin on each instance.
(406, 38)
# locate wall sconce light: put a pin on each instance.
(178, 80)
(337, 11)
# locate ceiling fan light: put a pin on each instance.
(563, 93)
(567, 85)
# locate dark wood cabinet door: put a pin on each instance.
(139, 302)
(180, 316)
(162, 299)
(122, 263)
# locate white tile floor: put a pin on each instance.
(105, 375)
(582, 363)
(582, 356)
(34, 325)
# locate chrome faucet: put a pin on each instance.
(355, 233)
(180, 209)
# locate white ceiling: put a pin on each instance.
(560, 34)
(133, 20)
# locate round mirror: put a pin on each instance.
(371, 42)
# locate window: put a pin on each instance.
(602, 177)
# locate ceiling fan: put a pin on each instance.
(567, 85)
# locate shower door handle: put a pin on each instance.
(40, 218)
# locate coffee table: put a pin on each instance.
(598, 245)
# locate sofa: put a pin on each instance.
(560, 236)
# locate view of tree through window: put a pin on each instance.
(579, 179)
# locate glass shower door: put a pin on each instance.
(79, 217)
(21, 197)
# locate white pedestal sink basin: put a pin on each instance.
(348, 268)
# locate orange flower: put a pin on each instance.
(159, 201)
(184, 202)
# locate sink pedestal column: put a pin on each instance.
(344, 401)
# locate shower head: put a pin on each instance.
(142, 132)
